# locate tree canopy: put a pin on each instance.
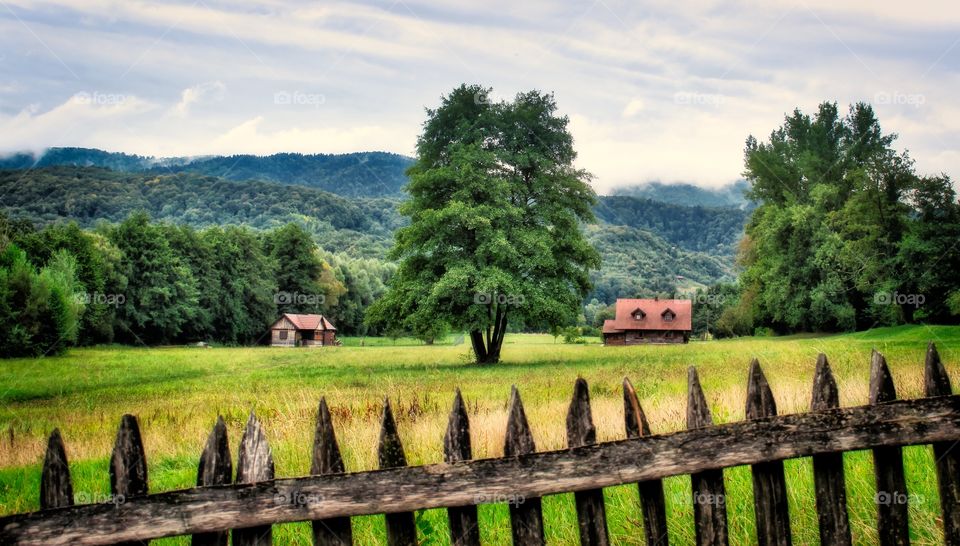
(495, 210)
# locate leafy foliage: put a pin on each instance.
(847, 235)
(495, 208)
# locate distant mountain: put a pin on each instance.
(697, 228)
(644, 245)
(731, 195)
(363, 174)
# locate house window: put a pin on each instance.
(668, 317)
(283, 334)
(668, 334)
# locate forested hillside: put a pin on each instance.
(715, 231)
(362, 174)
(731, 195)
(644, 244)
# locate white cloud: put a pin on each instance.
(202, 92)
(634, 107)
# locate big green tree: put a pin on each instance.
(495, 210)
(847, 235)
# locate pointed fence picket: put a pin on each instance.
(247, 505)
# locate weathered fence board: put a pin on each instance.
(591, 515)
(401, 527)
(893, 527)
(254, 465)
(215, 468)
(526, 516)
(769, 484)
(709, 494)
(325, 460)
(829, 482)
(946, 454)
(464, 527)
(56, 490)
(651, 492)
(128, 466)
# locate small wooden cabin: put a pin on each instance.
(639, 321)
(294, 330)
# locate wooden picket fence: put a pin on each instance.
(329, 497)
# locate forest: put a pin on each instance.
(153, 283)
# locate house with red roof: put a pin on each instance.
(639, 321)
(294, 330)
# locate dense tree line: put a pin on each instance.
(847, 235)
(145, 282)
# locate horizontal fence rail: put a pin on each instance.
(329, 497)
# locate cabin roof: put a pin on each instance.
(307, 321)
(654, 310)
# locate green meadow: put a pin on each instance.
(177, 394)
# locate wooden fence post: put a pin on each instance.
(526, 517)
(401, 528)
(326, 459)
(651, 492)
(464, 528)
(128, 465)
(828, 477)
(215, 468)
(893, 524)
(946, 454)
(709, 494)
(591, 516)
(769, 485)
(254, 464)
(56, 490)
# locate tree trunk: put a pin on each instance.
(489, 352)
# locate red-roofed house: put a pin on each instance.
(649, 321)
(293, 330)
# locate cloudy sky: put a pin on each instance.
(655, 90)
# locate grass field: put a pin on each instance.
(177, 394)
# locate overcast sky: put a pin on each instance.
(654, 90)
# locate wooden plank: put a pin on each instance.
(215, 468)
(946, 454)
(56, 490)
(769, 484)
(401, 527)
(464, 527)
(651, 492)
(591, 516)
(829, 481)
(893, 526)
(526, 515)
(908, 422)
(709, 495)
(326, 460)
(255, 465)
(128, 467)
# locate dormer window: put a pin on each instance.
(668, 316)
(638, 314)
